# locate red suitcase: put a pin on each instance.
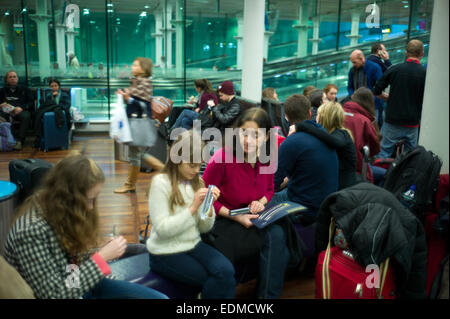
(347, 279)
(339, 276)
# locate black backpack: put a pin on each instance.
(419, 167)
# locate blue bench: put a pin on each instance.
(137, 269)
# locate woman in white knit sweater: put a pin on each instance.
(176, 250)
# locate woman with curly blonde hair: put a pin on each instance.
(52, 241)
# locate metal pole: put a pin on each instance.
(25, 43)
(411, 4)
(54, 32)
(184, 48)
(338, 31)
(108, 89)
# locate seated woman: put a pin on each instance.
(205, 94)
(317, 98)
(360, 120)
(331, 116)
(175, 203)
(243, 182)
(54, 101)
(270, 93)
(51, 243)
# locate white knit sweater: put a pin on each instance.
(178, 231)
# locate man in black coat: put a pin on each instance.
(404, 101)
(22, 100)
(377, 226)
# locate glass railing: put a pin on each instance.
(287, 76)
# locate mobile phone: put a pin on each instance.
(238, 211)
(207, 202)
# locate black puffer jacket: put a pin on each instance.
(377, 226)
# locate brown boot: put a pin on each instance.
(130, 184)
(153, 162)
(18, 146)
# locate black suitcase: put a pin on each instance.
(27, 174)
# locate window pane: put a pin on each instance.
(12, 53)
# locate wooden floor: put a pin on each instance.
(126, 213)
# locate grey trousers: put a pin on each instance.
(135, 154)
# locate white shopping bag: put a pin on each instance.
(119, 125)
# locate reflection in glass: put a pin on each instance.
(90, 45)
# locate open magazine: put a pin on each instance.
(273, 213)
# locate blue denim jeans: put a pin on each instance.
(273, 260)
(282, 196)
(378, 174)
(120, 289)
(185, 119)
(393, 134)
(379, 115)
(204, 266)
(279, 197)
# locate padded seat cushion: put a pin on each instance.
(137, 269)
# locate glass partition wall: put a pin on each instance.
(90, 45)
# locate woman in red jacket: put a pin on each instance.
(360, 119)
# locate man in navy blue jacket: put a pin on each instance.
(364, 73)
(310, 165)
(380, 56)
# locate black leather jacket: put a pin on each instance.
(225, 114)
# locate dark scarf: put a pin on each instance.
(141, 88)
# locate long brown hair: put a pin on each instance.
(204, 85)
(261, 118)
(364, 97)
(171, 168)
(62, 199)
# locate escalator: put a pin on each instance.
(288, 76)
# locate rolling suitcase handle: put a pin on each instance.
(28, 160)
(365, 161)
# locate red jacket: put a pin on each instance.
(359, 121)
(239, 182)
